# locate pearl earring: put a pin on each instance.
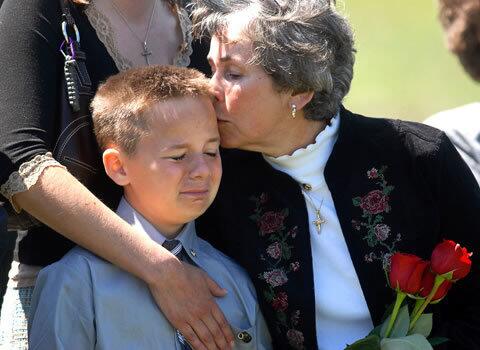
(294, 111)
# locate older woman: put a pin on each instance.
(317, 198)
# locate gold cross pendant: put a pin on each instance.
(319, 221)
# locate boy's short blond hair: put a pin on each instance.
(121, 106)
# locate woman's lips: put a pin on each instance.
(220, 118)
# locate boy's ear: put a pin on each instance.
(114, 167)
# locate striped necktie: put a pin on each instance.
(175, 247)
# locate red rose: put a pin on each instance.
(270, 222)
(406, 272)
(375, 202)
(449, 256)
(280, 303)
(427, 284)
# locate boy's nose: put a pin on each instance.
(200, 168)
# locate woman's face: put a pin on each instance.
(252, 114)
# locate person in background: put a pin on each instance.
(170, 174)
(316, 198)
(115, 35)
(461, 21)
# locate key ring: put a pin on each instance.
(65, 34)
(69, 52)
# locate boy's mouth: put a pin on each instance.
(196, 193)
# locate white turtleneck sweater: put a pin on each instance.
(342, 315)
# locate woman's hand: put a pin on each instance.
(185, 296)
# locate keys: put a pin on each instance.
(76, 76)
(71, 80)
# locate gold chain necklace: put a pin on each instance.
(319, 221)
(145, 51)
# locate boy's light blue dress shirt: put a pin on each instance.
(84, 302)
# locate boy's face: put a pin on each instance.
(175, 172)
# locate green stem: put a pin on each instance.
(398, 302)
(418, 304)
(438, 282)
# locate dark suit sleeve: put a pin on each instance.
(459, 195)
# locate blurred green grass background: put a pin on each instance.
(403, 69)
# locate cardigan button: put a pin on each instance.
(307, 187)
(244, 336)
(193, 252)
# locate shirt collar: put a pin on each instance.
(187, 235)
(306, 165)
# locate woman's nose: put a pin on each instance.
(216, 88)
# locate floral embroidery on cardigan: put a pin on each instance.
(278, 255)
(375, 205)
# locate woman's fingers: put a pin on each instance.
(215, 289)
(191, 337)
(185, 297)
(217, 330)
(201, 332)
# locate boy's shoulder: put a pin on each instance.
(78, 263)
(213, 256)
(79, 255)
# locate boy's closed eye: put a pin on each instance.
(179, 157)
(212, 154)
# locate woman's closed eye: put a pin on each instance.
(233, 75)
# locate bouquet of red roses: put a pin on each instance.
(425, 282)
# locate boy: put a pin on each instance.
(158, 130)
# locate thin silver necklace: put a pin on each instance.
(145, 51)
(319, 221)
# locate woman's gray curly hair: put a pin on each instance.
(305, 45)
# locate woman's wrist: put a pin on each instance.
(158, 265)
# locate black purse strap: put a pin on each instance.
(76, 75)
(76, 147)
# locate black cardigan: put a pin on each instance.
(404, 175)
